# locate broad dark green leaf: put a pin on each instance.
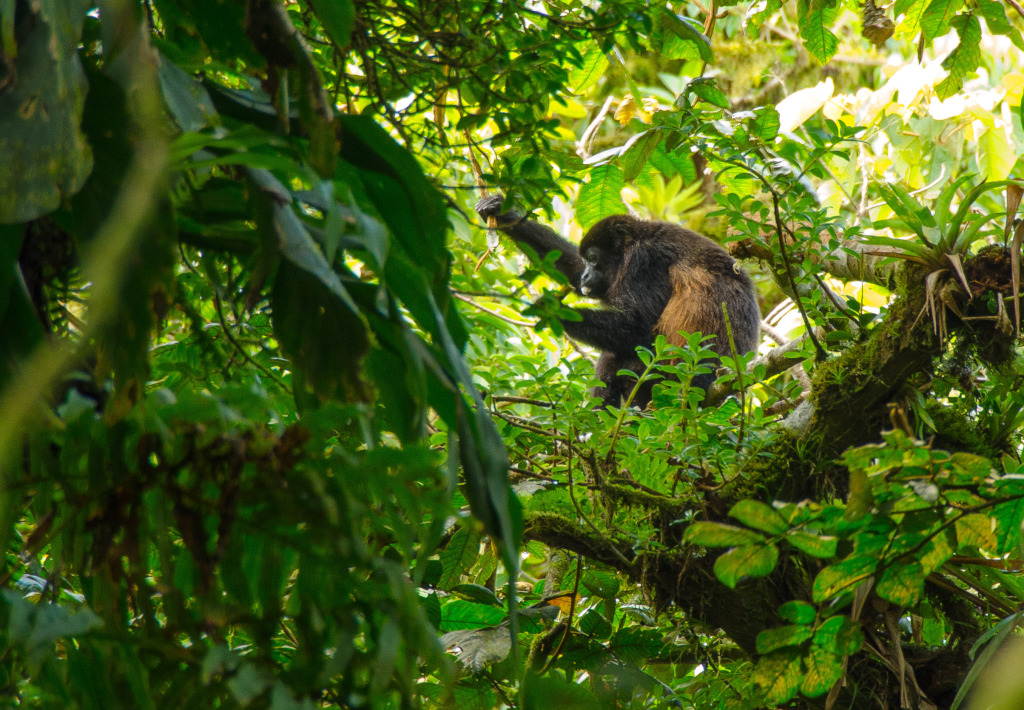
(839, 635)
(593, 622)
(707, 89)
(684, 28)
(964, 59)
(798, 612)
(937, 17)
(412, 208)
(637, 151)
(46, 155)
(338, 17)
(458, 555)
(634, 643)
(464, 615)
(782, 636)
(477, 593)
(601, 584)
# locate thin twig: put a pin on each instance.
(792, 280)
(485, 309)
(739, 376)
(242, 351)
(572, 611)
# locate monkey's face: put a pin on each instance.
(602, 251)
(598, 268)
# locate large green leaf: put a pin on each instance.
(46, 156)
(637, 151)
(822, 670)
(601, 196)
(746, 561)
(842, 577)
(839, 635)
(779, 674)
(711, 534)
(338, 17)
(815, 30)
(695, 44)
(759, 516)
(592, 68)
(998, 23)
(412, 208)
(937, 17)
(964, 59)
(901, 583)
(319, 324)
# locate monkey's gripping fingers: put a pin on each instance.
(491, 207)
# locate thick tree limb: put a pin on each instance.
(675, 577)
(851, 391)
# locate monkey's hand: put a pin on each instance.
(491, 207)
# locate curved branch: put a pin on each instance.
(856, 261)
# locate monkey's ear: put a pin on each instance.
(622, 235)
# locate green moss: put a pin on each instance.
(957, 430)
(783, 470)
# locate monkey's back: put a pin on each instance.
(702, 277)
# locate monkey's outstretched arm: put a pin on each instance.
(618, 331)
(538, 237)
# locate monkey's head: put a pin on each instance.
(602, 250)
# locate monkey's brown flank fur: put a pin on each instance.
(690, 285)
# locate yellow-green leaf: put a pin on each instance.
(937, 16)
(822, 669)
(779, 675)
(818, 38)
(842, 577)
(901, 583)
(721, 535)
(976, 530)
(760, 516)
(637, 151)
(746, 561)
(814, 545)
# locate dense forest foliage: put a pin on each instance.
(285, 424)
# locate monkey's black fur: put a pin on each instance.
(655, 277)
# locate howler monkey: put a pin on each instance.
(656, 278)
